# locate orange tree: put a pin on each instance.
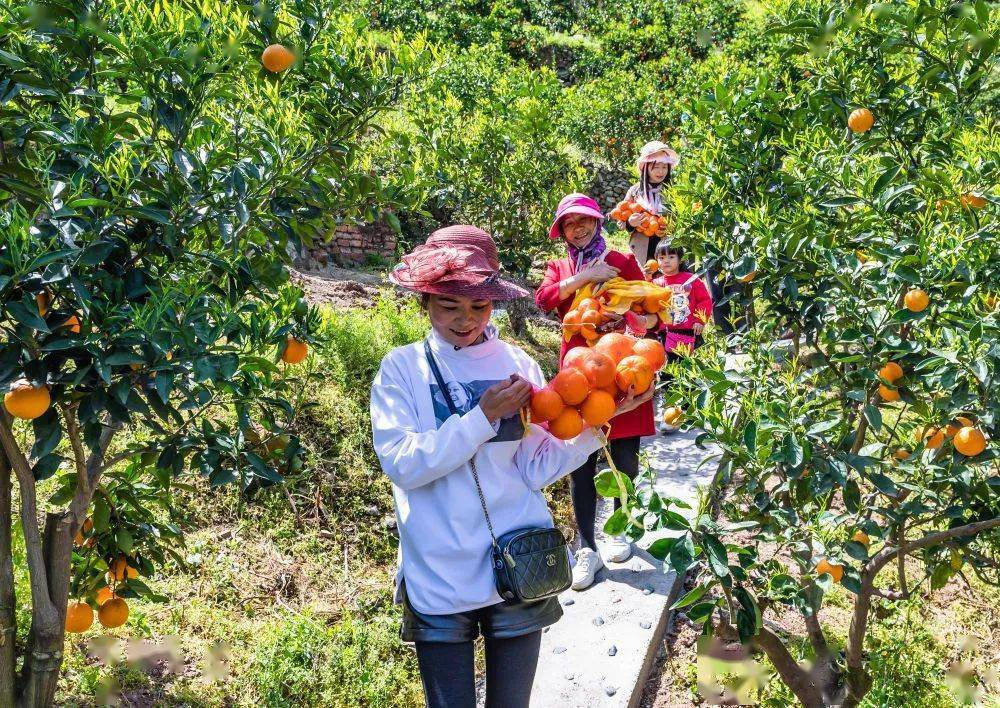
(156, 164)
(866, 455)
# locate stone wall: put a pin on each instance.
(351, 245)
(608, 185)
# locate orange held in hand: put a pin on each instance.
(571, 385)
(589, 322)
(599, 369)
(567, 425)
(598, 408)
(615, 345)
(546, 405)
(635, 371)
(575, 356)
(652, 351)
(571, 324)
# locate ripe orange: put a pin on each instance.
(85, 529)
(73, 322)
(120, 570)
(652, 351)
(113, 613)
(969, 441)
(571, 385)
(546, 405)
(933, 437)
(571, 323)
(891, 372)
(748, 278)
(888, 394)
(575, 357)
(634, 371)
(861, 120)
(901, 454)
(589, 321)
(567, 425)
(916, 300)
(835, 571)
(973, 201)
(79, 617)
(615, 345)
(26, 401)
(673, 415)
(103, 595)
(599, 369)
(612, 391)
(960, 422)
(861, 537)
(42, 299)
(295, 351)
(652, 266)
(277, 58)
(598, 408)
(588, 303)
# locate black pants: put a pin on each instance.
(448, 672)
(625, 453)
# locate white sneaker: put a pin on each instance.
(588, 562)
(619, 549)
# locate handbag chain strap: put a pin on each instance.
(455, 411)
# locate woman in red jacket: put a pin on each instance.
(579, 223)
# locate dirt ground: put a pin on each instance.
(340, 287)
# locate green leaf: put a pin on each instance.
(124, 540)
(874, 417)
(616, 523)
(791, 450)
(884, 484)
(884, 179)
(605, 484)
(750, 437)
(682, 554)
(27, 314)
(718, 559)
(661, 547)
(700, 613)
(690, 598)
(101, 515)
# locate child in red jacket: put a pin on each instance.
(690, 307)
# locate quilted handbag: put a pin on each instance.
(529, 564)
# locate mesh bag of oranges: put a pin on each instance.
(655, 225)
(593, 381)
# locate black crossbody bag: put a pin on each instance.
(529, 564)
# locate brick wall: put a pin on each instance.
(350, 246)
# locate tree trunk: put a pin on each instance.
(8, 619)
(517, 311)
(44, 654)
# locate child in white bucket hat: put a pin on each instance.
(655, 166)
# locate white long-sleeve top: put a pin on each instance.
(444, 543)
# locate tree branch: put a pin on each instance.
(887, 554)
(8, 616)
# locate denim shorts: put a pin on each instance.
(500, 621)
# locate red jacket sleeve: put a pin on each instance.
(547, 295)
(701, 300)
(630, 270)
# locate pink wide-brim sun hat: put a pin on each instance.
(575, 203)
(656, 151)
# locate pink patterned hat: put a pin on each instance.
(575, 203)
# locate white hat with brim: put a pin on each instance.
(655, 151)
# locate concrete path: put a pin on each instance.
(601, 652)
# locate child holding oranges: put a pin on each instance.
(645, 221)
(578, 222)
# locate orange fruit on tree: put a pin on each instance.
(916, 300)
(836, 571)
(970, 441)
(748, 278)
(571, 323)
(652, 351)
(634, 371)
(598, 408)
(42, 299)
(673, 415)
(26, 401)
(113, 613)
(861, 120)
(901, 454)
(960, 422)
(73, 322)
(546, 405)
(571, 385)
(567, 425)
(79, 617)
(295, 351)
(891, 372)
(120, 570)
(85, 529)
(888, 394)
(861, 537)
(277, 58)
(103, 595)
(973, 201)
(933, 437)
(615, 345)
(599, 369)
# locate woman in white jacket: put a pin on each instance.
(445, 580)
